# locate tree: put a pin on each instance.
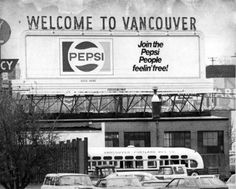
(25, 149)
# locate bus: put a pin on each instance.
(147, 159)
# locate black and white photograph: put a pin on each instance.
(117, 94)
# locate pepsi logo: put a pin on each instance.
(86, 56)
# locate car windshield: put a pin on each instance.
(165, 171)
(122, 182)
(232, 179)
(75, 180)
(209, 181)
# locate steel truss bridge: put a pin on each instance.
(116, 103)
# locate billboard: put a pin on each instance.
(102, 47)
(108, 62)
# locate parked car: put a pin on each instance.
(118, 182)
(67, 181)
(101, 172)
(231, 182)
(168, 172)
(142, 176)
(197, 182)
(155, 184)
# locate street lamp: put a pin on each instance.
(156, 104)
(156, 110)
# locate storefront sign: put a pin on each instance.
(7, 65)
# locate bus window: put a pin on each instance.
(152, 157)
(121, 164)
(99, 163)
(184, 162)
(184, 156)
(152, 164)
(161, 162)
(138, 164)
(115, 163)
(174, 157)
(139, 157)
(93, 163)
(107, 157)
(129, 164)
(104, 163)
(164, 157)
(96, 158)
(166, 162)
(118, 157)
(193, 163)
(175, 162)
(110, 162)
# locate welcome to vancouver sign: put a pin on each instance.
(110, 23)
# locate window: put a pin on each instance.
(177, 139)
(167, 171)
(152, 164)
(112, 139)
(129, 164)
(211, 141)
(137, 139)
(48, 181)
(193, 164)
(139, 164)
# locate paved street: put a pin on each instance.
(29, 187)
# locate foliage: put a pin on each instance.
(25, 149)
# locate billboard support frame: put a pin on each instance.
(117, 104)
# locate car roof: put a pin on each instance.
(132, 173)
(64, 174)
(121, 176)
(197, 176)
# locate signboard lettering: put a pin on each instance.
(7, 65)
(111, 23)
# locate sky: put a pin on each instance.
(216, 19)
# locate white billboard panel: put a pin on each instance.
(124, 61)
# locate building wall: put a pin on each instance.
(157, 129)
(194, 126)
(132, 126)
